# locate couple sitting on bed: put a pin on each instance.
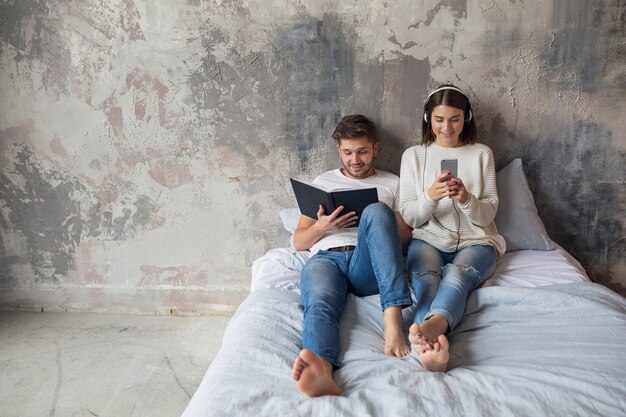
(444, 221)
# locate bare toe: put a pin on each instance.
(415, 335)
(395, 343)
(398, 349)
(435, 357)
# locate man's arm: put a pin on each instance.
(309, 231)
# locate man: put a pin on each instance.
(363, 261)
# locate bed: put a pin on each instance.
(538, 339)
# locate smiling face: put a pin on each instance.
(447, 124)
(357, 157)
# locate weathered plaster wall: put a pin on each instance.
(146, 146)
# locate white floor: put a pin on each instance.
(74, 364)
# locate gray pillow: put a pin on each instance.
(517, 218)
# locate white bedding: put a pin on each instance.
(536, 268)
(280, 268)
(554, 350)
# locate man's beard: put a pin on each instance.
(367, 170)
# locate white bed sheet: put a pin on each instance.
(556, 350)
(536, 268)
(538, 339)
(280, 268)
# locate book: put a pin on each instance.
(309, 197)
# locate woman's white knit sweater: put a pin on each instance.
(437, 223)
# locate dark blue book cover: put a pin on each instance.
(310, 196)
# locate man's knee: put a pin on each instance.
(324, 297)
(316, 267)
(377, 212)
(320, 275)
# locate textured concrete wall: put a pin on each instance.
(146, 146)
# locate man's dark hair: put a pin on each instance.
(355, 126)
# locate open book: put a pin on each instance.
(310, 196)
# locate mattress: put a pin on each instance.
(539, 339)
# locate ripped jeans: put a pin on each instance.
(443, 280)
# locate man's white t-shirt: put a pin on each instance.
(387, 185)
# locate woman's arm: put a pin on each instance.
(416, 208)
(481, 210)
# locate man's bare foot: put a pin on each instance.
(314, 375)
(395, 343)
(435, 357)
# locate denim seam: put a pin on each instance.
(445, 314)
(403, 302)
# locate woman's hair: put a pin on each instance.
(452, 97)
(355, 126)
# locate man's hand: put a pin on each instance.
(326, 223)
(309, 231)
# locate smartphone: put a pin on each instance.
(450, 165)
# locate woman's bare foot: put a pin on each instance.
(314, 375)
(416, 337)
(435, 357)
(431, 328)
(395, 343)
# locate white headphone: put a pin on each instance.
(467, 111)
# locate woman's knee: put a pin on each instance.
(462, 276)
(423, 257)
(425, 276)
(480, 257)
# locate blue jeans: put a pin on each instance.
(375, 266)
(442, 281)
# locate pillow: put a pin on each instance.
(279, 268)
(290, 218)
(517, 218)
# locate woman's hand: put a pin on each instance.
(458, 191)
(440, 188)
(444, 186)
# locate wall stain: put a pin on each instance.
(401, 121)
(13, 17)
(458, 8)
(320, 72)
(55, 212)
(578, 27)
(44, 213)
(575, 180)
(28, 28)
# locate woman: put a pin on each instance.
(455, 241)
